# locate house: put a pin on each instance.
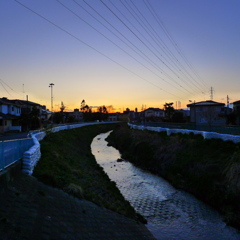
(9, 115)
(128, 115)
(207, 112)
(28, 106)
(236, 110)
(112, 117)
(33, 114)
(153, 114)
(46, 114)
(76, 116)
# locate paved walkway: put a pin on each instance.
(31, 210)
(13, 136)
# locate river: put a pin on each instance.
(171, 213)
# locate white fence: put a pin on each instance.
(31, 157)
(206, 135)
(29, 149)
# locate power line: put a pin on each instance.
(146, 28)
(173, 41)
(124, 15)
(139, 51)
(152, 51)
(133, 47)
(5, 89)
(111, 40)
(146, 46)
(168, 53)
(89, 46)
(4, 83)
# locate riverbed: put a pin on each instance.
(171, 213)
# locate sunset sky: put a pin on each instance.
(125, 53)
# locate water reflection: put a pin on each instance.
(171, 214)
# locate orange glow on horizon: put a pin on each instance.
(117, 108)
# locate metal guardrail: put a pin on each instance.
(12, 151)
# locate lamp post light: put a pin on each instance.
(51, 86)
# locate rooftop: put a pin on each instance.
(206, 103)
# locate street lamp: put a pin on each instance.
(51, 86)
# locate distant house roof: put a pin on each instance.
(154, 109)
(5, 101)
(236, 102)
(206, 103)
(17, 102)
(24, 102)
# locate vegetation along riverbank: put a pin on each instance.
(67, 163)
(209, 169)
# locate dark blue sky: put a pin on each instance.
(122, 53)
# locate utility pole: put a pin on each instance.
(51, 86)
(211, 93)
(23, 91)
(28, 120)
(227, 101)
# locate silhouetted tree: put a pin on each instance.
(83, 104)
(110, 109)
(169, 110)
(101, 114)
(84, 107)
(62, 108)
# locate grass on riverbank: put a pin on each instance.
(67, 163)
(209, 169)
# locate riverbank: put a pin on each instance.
(68, 164)
(31, 210)
(209, 169)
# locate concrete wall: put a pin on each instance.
(206, 135)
